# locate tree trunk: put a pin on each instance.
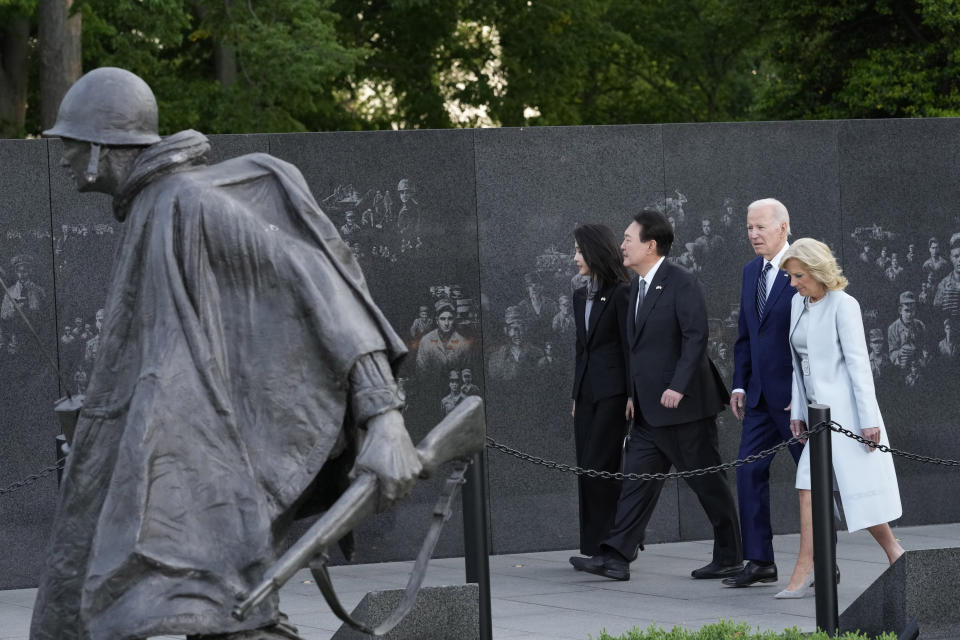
(60, 49)
(224, 53)
(225, 60)
(14, 45)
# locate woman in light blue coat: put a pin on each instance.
(831, 366)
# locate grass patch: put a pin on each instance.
(730, 630)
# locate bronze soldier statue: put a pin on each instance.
(242, 371)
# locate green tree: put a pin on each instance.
(621, 61)
(863, 59)
(424, 55)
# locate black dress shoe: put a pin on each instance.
(603, 565)
(752, 573)
(716, 570)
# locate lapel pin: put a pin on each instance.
(603, 299)
(659, 287)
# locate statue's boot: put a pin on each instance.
(282, 630)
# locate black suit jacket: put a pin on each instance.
(668, 350)
(601, 365)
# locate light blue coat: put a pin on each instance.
(840, 377)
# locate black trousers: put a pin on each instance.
(599, 427)
(686, 446)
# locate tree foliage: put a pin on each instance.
(863, 59)
(294, 65)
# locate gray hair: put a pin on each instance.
(779, 210)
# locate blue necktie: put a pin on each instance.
(762, 289)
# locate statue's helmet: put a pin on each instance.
(108, 106)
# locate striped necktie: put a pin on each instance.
(762, 289)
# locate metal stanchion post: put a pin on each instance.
(476, 539)
(824, 544)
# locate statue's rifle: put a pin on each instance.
(457, 437)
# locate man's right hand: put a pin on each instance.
(737, 403)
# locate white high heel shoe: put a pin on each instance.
(802, 592)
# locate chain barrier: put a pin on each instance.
(593, 473)
(33, 478)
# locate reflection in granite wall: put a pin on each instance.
(405, 202)
(29, 386)
(465, 238)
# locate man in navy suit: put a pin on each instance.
(762, 382)
(677, 393)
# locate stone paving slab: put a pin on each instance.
(538, 596)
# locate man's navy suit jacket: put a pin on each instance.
(761, 356)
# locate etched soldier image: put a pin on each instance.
(723, 361)
(454, 397)
(865, 256)
(879, 358)
(688, 259)
(728, 228)
(516, 358)
(468, 388)
(468, 316)
(893, 270)
(408, 218)
(563, 323)
(549, 361)
(947, 347)
(710, 241)
(935, 264)
(22, 295)
(442, 348)
(350, 226)
(422, 324)
(912, 270)
(947, 298)
(928, 290)
(883, 260)
(93, 344)
(536, 309)
(906, 336)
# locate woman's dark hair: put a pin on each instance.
(600, 251)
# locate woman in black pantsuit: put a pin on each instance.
(600, 379)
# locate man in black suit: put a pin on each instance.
(677, 394)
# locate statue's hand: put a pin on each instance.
(388, 452)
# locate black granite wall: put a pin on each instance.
(470, 229)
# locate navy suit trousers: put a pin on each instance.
(763, 427)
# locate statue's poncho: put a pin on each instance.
(233, 319)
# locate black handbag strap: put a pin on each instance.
(441, 513)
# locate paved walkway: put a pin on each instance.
(540, 596)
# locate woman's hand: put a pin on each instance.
(629, 411)
(797, 427)
(873, 435)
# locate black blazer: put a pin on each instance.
(668, 349)
(601, 367)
